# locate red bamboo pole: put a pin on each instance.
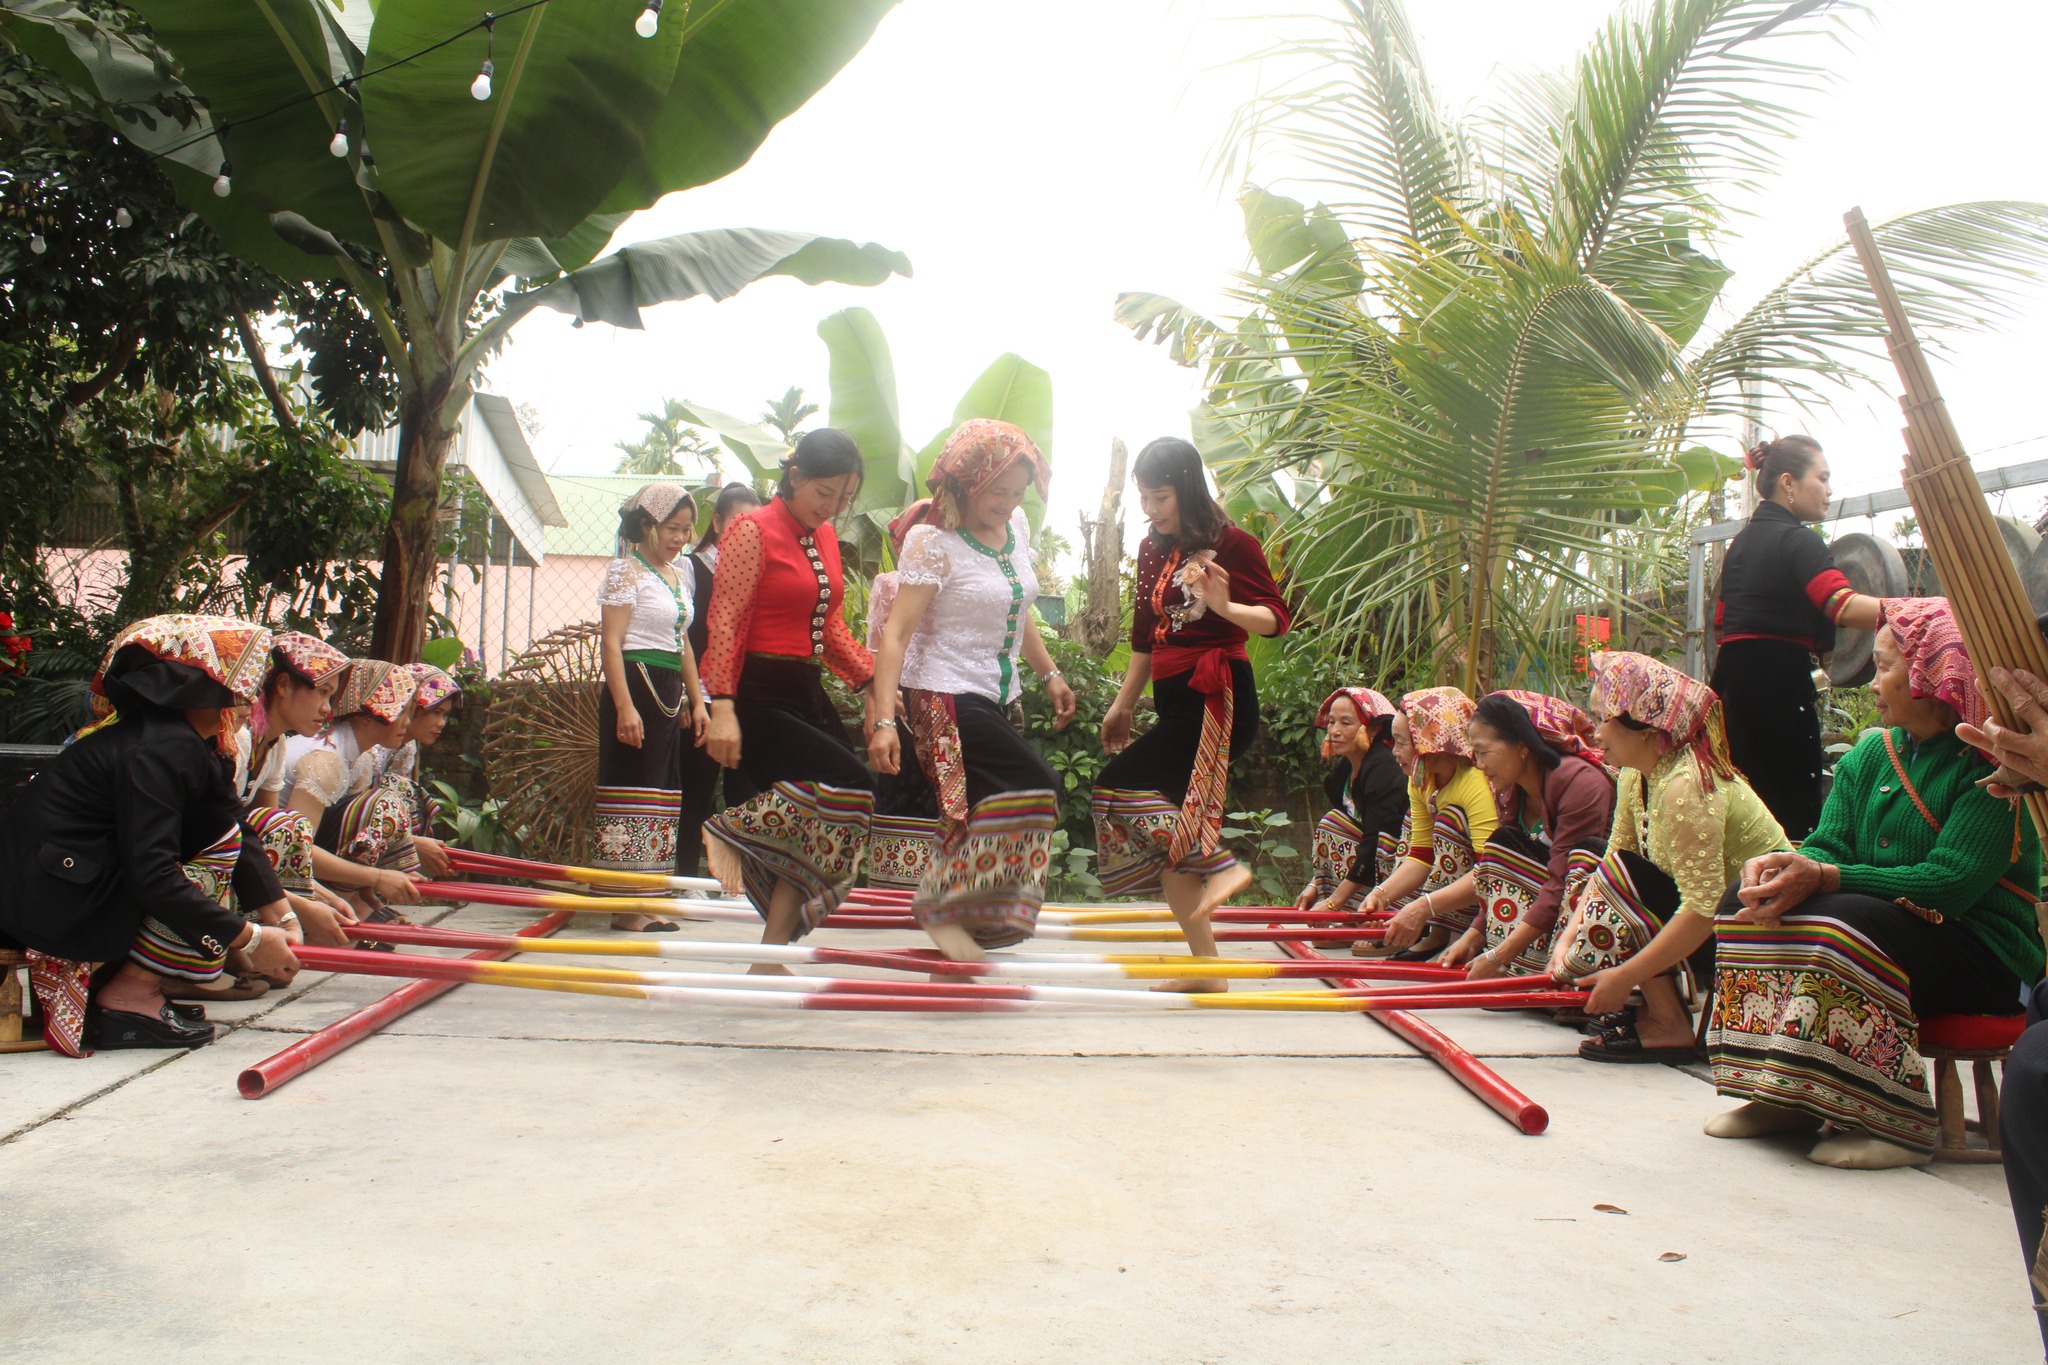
(1492, 1090)
(302, 1056)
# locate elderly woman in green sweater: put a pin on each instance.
(1915, 895)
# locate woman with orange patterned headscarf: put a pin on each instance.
(956, 638)
(1451, 816)
(1367, 792)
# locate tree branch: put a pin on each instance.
(253, 346)
(127, 340)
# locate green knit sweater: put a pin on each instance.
(1871, 829)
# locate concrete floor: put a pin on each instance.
(513, 1176)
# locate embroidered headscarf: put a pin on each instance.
(312, 659)
(435, 686)
(658, 500)
(182, 663)
(1369, 705)
(1937, 662)
(978, 453)
(1564, 727)
(1437, 717)
(1687, 712)
(376, 687)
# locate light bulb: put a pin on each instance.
(123, 218)
(649, 21)
(37, 245)
(223, 184)
(338, 147)
(480, 88)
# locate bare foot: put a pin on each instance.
(1220, 888)
(1860, 1151)
(769, 969)
(1757, 1119)
(631, 923)
(1195, 985)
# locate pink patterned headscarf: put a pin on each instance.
(1563, 726)
(377, 687)
(1437, 717)
(974, 456)
(435, 686)
(1937, 662)
(1369, 705)
(1659, 696)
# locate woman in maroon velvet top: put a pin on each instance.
(1203, 587)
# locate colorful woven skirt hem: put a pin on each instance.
(805, 833)
(990, 877)
(1133, 832)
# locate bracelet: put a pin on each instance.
(1049, 675)
(887, 723)
(255, 940)
(291, 915)
(1429, 901)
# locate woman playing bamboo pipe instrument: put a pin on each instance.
(1368, 794)
(776, 620)
(1451, 814)
(362, 826)
(957, 637)
(1203, 586)
(129, 849)
(1914, 896)
(1556, 806)
(432, 705)
(703, 779)
(1685, 823)
(1781, 598)
(651, 708)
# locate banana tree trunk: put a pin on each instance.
(410, 561)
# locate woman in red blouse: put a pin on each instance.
(775, 624)
(1203, 587)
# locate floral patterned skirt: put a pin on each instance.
(374, 827)
(899, 850)
(639, 790)
(1624, 903)
(1509, 876)
(805, 833)
(287, 839)
(1133, 834)
(1334, 850)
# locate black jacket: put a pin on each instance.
(1379, 798)
(97, 841)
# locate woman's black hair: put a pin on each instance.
(1773, 460)
(636, 521)
(825, 453)
(1628, 722)
(729, 497)
(1507, 718)
(1381, 730)
(1173, 463)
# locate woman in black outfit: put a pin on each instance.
(1368, 795)
(700, 769)
(1781, 599)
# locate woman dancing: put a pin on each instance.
(906, 819)
(1556, 806)
(1685, 823)
(1203, 587)
(1451, 814)
(1367, 792)
(957, 636)
(702, 776)
(651, 707)
(129, 850)
(776, 621)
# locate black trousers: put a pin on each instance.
(789, 731)
(996, 757)
(1163, 758)
(2023, 1133)
(1773, 718)
(703, 781)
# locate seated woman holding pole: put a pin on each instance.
(1451, 813)
(1368, 794)
(1556, 808)
(1685, 823)
(362, 828)
(1915, 895)
(129, 851)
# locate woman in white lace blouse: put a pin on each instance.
(961, 627)
(651, 707)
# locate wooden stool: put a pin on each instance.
(1981, 1039)
(11, 996)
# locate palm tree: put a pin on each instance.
(671, 445)
(1462, 386)
(788, 413)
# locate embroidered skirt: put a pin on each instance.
(899, 850)
(374, 827)
(809, 825)
(1334, 850)
(640, 791)
(1392, 848)
(1510, 875)
(1451, 857)
(1142, 793)
(1625, 902)
(287, 839)
(1821, 1012)
(997, 812)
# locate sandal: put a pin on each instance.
(660, 926)
(1622, 1044)
(247, 986)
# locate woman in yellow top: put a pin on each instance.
(1684, 824)
(1451, 813)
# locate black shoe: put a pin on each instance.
(1413, 955)
(190, 1010)
(116, 1029)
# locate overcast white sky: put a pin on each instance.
(1034, 160)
